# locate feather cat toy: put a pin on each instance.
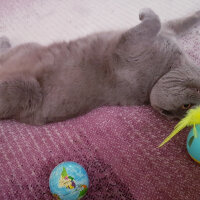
(192, 118)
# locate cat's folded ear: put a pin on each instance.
(19, 93)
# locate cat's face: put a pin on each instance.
(177, 91)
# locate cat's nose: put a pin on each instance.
(167, 113)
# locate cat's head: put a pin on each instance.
(177, 91)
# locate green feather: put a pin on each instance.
(191, 119)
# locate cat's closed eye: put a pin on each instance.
(186, 106)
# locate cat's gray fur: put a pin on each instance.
(144, 65)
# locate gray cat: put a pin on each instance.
(143, 65)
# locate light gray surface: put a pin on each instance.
(47, 21)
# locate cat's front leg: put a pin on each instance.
(150, 22)
(143, 33)
(179, 26)
(137, 39)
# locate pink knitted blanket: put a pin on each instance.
(117, 147)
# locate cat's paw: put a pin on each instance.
(197, 14)
(4, 43)
(147, 13)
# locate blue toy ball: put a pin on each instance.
(193, 144)
(68, 181)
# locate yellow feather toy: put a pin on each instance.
(192, 118)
